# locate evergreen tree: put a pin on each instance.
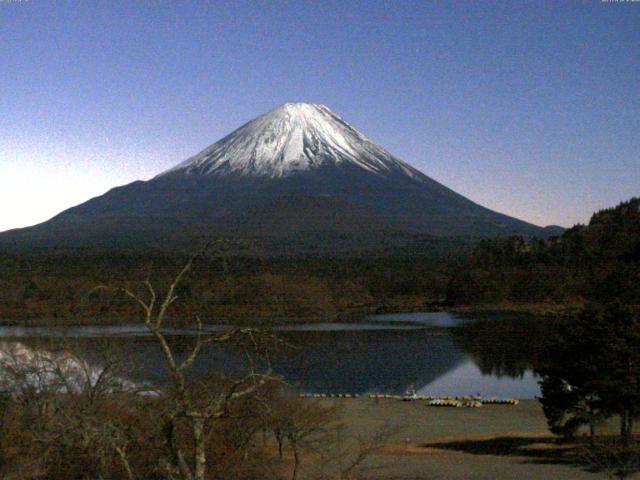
(593, 370)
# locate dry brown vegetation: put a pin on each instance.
(63, 417)
(48, 289)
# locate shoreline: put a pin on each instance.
(356, 315)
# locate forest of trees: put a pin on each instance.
(598, 260)
(593, 262)
(56, 288)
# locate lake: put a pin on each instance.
(435, 353)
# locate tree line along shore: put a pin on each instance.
(555, 276)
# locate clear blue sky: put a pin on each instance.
(529, 108)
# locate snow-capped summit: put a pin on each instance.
(292, 137)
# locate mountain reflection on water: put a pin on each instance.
(434, 353)
(505, 346)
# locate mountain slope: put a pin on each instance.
(296, 170)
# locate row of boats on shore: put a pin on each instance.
(446, 401)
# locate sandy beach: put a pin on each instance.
(490, 442)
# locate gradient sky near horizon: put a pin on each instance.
(528, 108)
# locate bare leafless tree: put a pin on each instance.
(184, 403)
(63, 395)
(345, 457)
(303, 423)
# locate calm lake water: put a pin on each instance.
(435, 353)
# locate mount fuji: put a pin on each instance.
(296, 171)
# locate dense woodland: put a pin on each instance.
(598, 261)
(234, 289)
(587, 262)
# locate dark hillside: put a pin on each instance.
(597, 261)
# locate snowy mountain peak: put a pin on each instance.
(299, 109)
(292, 137)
